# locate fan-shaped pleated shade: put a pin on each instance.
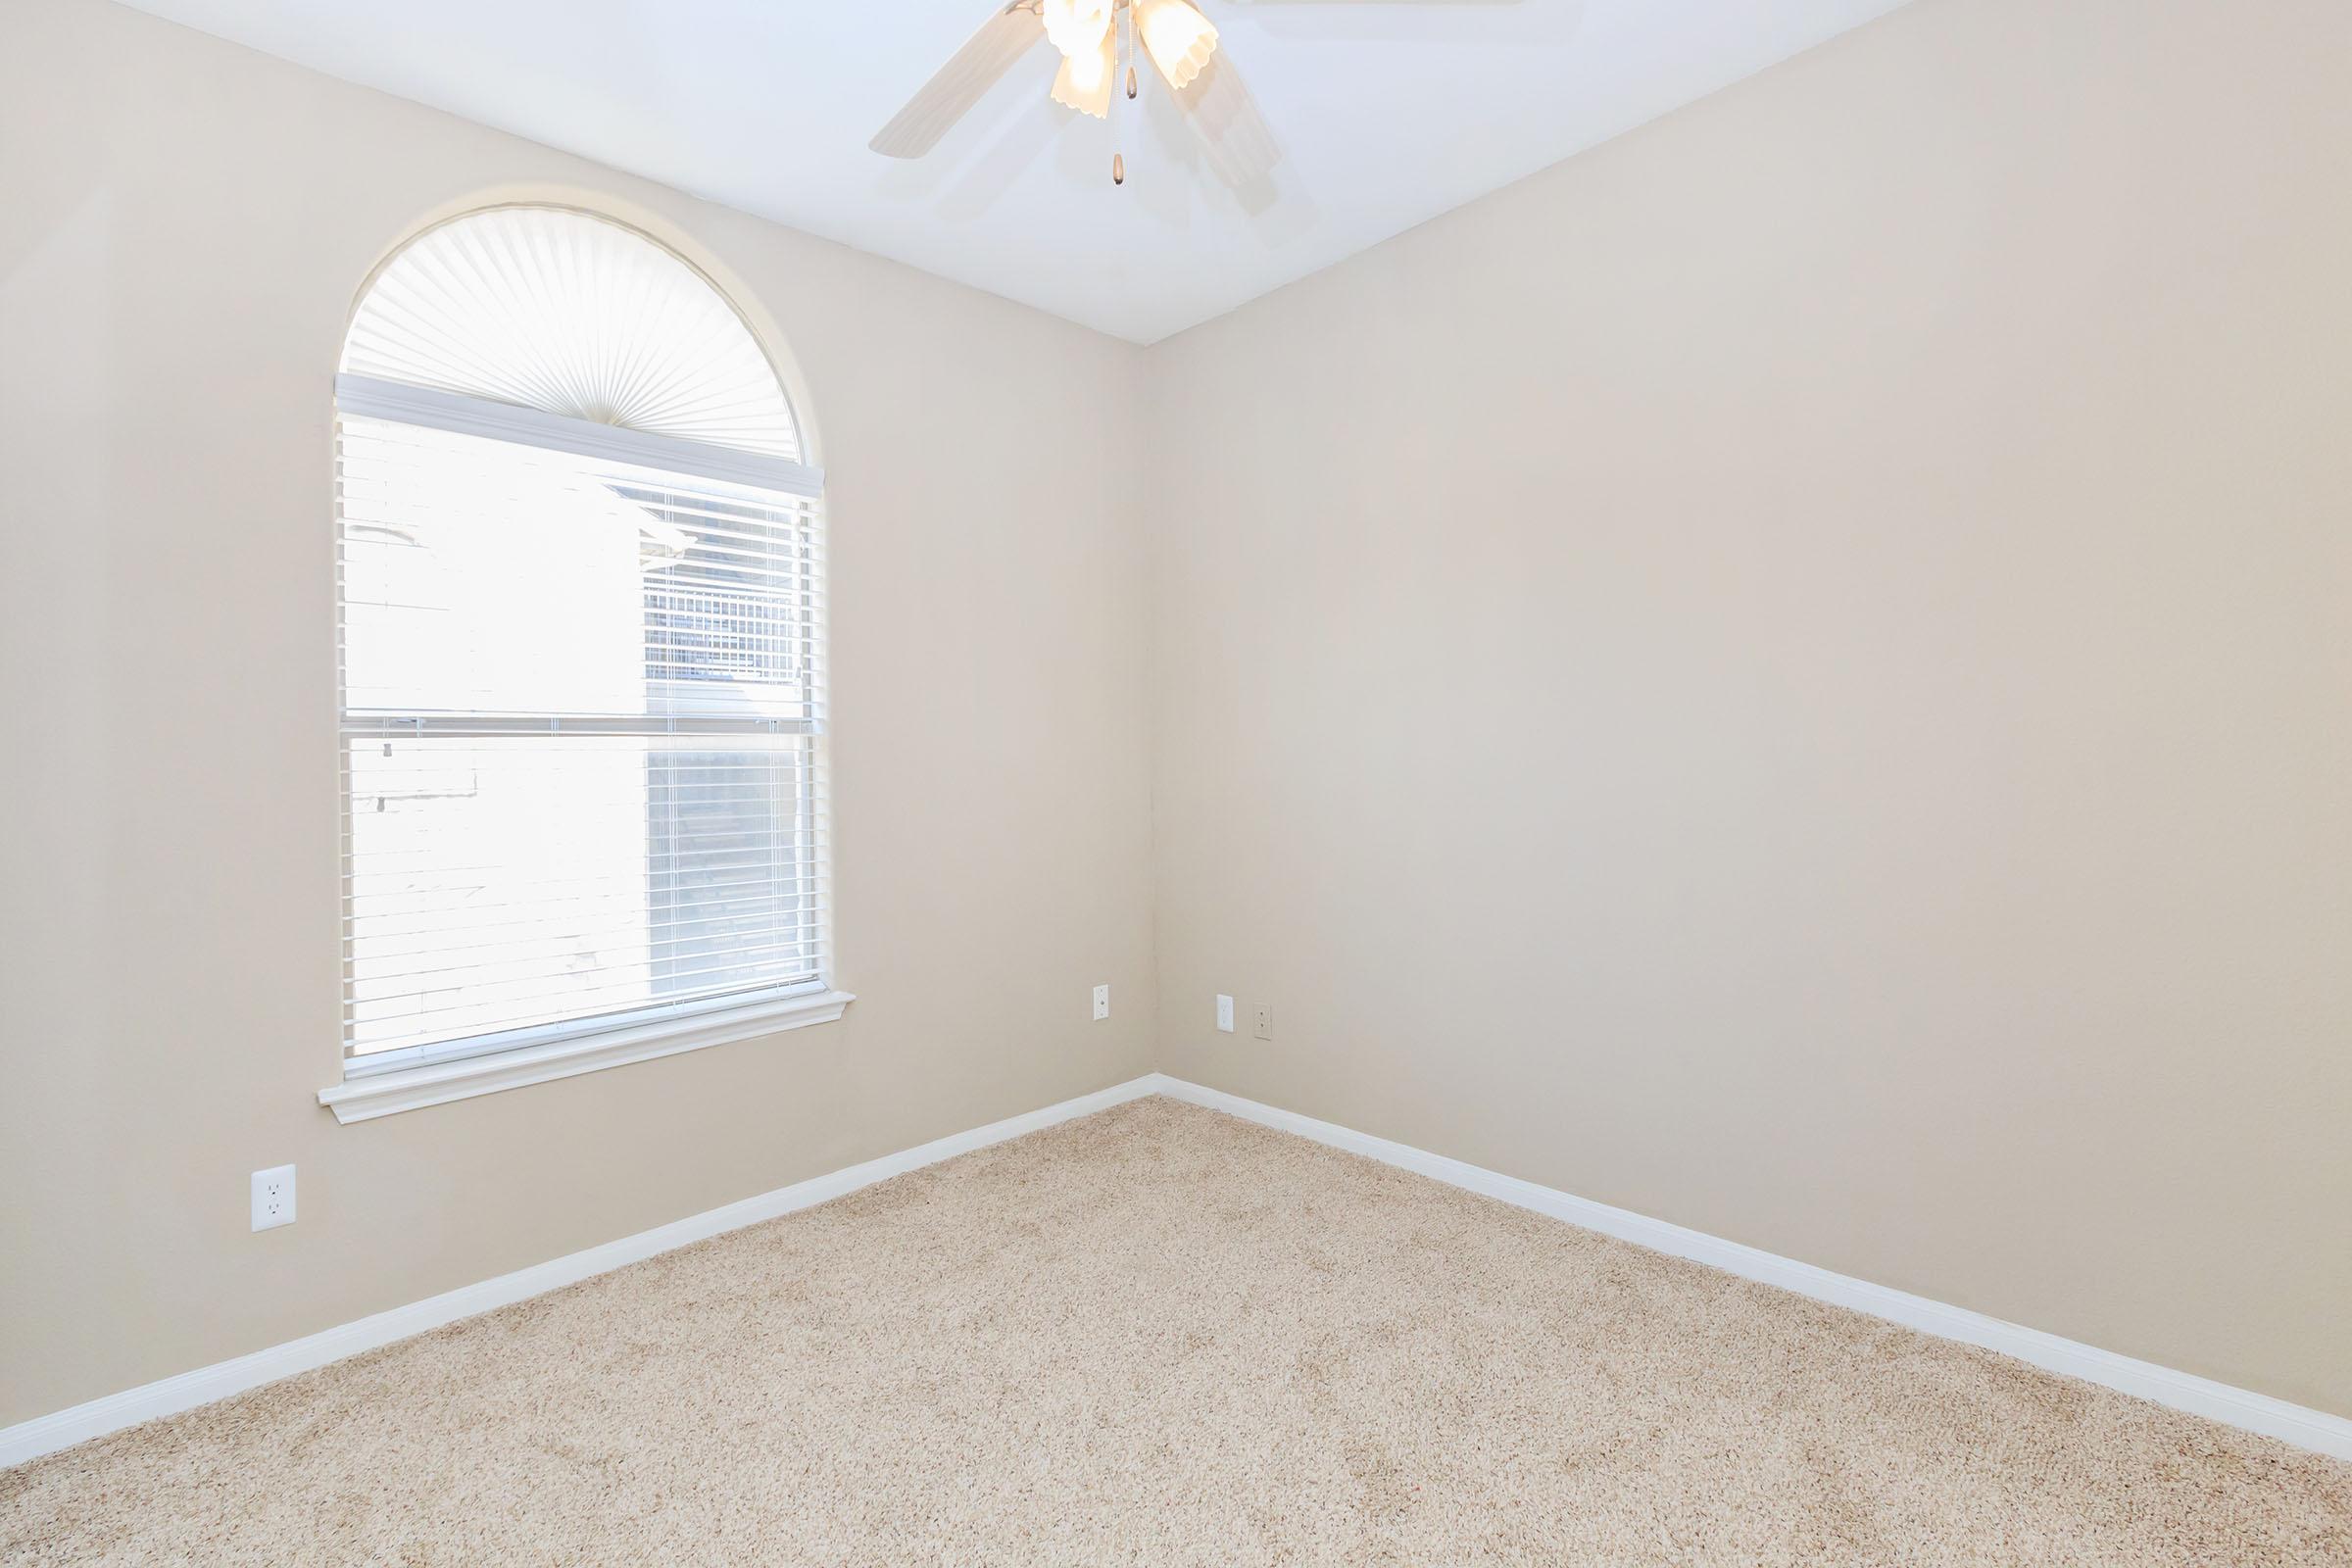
(572, 315)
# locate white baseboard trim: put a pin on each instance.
(2305, 1428)
(46, 1434)
(2315, 1430)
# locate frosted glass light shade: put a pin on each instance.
(1084, 80)
(559, 311)
(1178, 38)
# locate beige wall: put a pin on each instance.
(1794, 674)
(182, 228)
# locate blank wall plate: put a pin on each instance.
(1225, 1014)
(1261, 1020)
(1102, 1002)
(273, 1197)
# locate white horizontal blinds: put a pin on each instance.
(491, 580)
(580, 702)
(506, 884)
(582, 712)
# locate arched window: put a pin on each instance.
(581, 596)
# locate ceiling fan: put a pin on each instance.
(1095, 40)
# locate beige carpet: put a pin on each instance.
(1160, 1335)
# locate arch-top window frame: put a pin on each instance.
(580, 665)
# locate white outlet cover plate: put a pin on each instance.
(273, 1197)
(1225, 1014)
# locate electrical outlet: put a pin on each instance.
(273, 1197)
(1102, 1002)
(1225, 1014)
(1261, 1020)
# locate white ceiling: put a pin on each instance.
(1388, 112)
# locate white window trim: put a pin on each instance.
(384, 1094)
(411, 1080)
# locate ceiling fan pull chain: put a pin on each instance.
(1119, 160)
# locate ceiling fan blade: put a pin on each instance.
(1240, 149)
(1012, 32)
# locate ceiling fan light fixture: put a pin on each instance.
(1178, 38)
(1084, 80)
(1096, 54)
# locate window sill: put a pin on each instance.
(414, 1088)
